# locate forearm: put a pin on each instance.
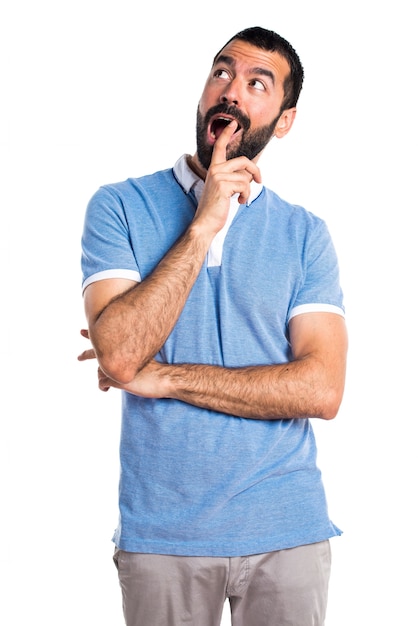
(133, 326)
(294, 390)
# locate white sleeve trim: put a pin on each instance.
(315, 308)
(129, 274)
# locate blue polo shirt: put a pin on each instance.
(194, 481)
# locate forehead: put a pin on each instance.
(249, 59)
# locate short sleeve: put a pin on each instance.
(320, 290)
(105, 243)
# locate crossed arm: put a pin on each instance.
(129, 322)
(311, 385)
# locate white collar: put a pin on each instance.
(189, 180)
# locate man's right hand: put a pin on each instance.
(224, 179)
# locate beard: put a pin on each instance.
(252, 141)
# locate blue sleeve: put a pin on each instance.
(321, 284)
(105, 243)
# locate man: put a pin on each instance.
(215, 306)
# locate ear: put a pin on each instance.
(284, 123)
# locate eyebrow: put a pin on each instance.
(260, 71)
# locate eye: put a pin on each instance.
(257, 84)
(221, 74)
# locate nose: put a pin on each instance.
(229, 100)
(231, 93)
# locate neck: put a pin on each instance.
(194, 164)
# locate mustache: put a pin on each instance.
(228, 109)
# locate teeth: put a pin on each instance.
(218, 122)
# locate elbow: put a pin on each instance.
(329, 415)
(331, 404)
(118, 368)
(117, 361)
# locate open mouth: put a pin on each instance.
(219, 124)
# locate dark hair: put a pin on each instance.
(271, 41)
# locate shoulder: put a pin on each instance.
(127, 195)
(295, 215)
(135, 184)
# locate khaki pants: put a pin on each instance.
(283, 588)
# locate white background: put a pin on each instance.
(94, 92)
